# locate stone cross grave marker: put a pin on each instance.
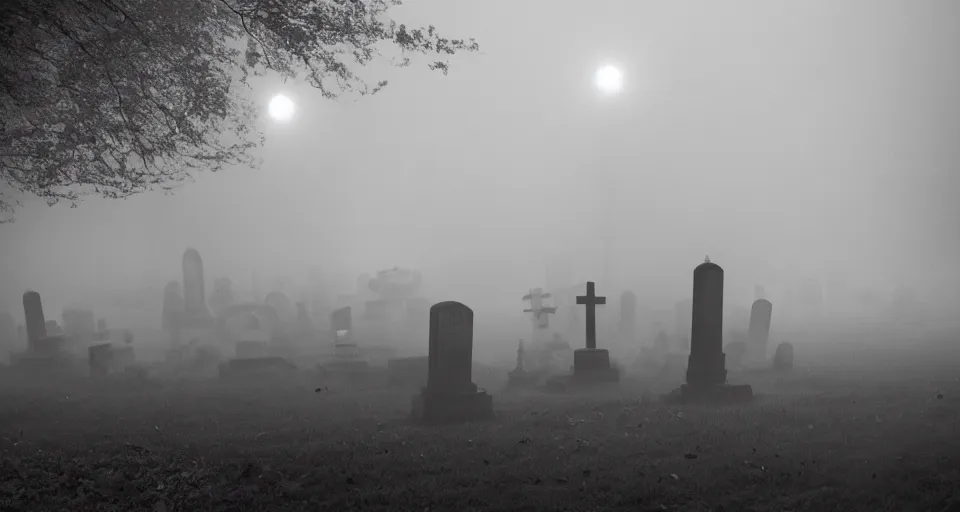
(591, 301)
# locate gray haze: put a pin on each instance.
(787, 140)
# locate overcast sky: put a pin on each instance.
(785, 139)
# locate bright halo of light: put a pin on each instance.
(281, 108)
(608, 79)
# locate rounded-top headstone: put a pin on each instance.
(707, 308)
(451, 348)
(706, 365)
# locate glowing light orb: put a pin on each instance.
(608, 79)
(281, 108)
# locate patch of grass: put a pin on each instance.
(879, 435)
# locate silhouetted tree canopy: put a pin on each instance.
(116, 97)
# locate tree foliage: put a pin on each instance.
(116, 97)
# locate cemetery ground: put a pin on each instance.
(850, 429)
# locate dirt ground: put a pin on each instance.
(851, 429)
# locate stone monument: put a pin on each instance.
(758, 334)
(706, 366)
(450, 394)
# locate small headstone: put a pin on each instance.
(783, 358)
(706, 365)
(450, 394)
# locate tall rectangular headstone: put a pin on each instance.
(33, 317)
(758, 334)
(194, 291)
(450, 394)
(450, 365)
(706, 366)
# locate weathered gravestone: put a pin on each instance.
(194, 288)
(706, 369)
(627, 325)
(783, 357)
(33, 317)
(348, 364)
(450, 394)
(758, 334)
(43, 350)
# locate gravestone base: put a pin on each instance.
(259, 368)
(592, 366)
(706, 371)
(718, 394)
(432, 408)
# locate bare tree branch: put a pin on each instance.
(118, 97)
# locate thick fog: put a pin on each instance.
(789, 141)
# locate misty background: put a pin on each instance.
(789, 141)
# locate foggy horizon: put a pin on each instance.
(786, 141)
